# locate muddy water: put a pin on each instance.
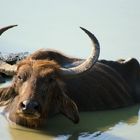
(120, 124)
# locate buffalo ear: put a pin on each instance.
(6, 95)
(69, 109)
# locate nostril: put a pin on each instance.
(29, 105)
(23, 105)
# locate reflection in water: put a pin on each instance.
(99, 124)
(110, 125)
(120, 124)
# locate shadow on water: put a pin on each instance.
(92, 125)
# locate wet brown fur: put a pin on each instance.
(108, 85)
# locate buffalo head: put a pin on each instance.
(38, 88)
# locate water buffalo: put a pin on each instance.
(48, 82)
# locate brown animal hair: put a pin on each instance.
(45, 85)
(38, 88)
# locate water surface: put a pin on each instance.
(120, 124)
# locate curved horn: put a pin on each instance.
(88, 63)
(5, 67)
(2, 30)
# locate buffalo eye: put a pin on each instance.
(21, 78)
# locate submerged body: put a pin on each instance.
(107, 85)
(48, 82)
